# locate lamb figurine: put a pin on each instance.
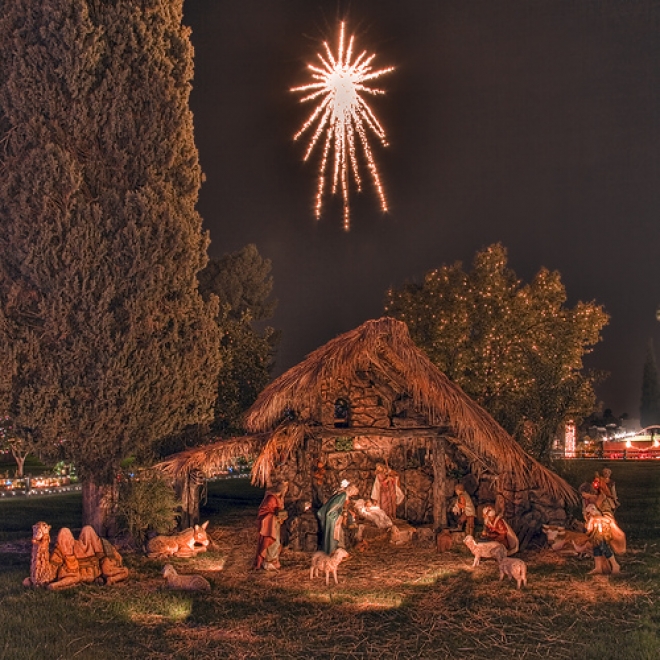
(327, 563)
(184, 582)
(481, 550)
(516, 569)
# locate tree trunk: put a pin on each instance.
(99, 507)
(190, 496)
(439, 480)
(20, 464)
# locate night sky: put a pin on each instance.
(535, 123)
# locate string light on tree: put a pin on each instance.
(341, 114)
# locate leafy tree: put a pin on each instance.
(649, 410)
(242, 282)
(18, 440)
(516, 349)
(108, 343)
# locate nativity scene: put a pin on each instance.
(369, 409)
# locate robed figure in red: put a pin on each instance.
(498, 529)
(270, 517)
(386, 491)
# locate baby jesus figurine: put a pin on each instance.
(373, 513)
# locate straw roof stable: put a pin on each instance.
(385, 345)
(276, 423)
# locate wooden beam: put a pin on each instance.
(352, 431)
(439, 479)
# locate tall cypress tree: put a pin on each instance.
(108, 342)
(649, 409)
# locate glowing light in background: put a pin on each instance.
(340, 114)
(569, 440)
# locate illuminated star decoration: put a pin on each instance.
(341, 113)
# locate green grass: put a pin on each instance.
(18, 514)
(390, 603)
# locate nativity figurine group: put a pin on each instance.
(88, 559)
(341, 522)
(600, 536)
(344, 512)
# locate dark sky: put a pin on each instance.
(531, 122)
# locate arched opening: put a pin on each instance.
(342, 414)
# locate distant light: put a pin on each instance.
(569, 440)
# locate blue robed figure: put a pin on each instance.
(330, 517)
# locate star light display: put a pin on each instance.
(341, 114)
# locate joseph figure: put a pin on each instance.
(270, 517)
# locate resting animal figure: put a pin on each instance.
(568, 541)
(184, 582)
(187, 543)
(86, 560)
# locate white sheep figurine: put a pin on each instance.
(516, 569)
(481, 550)
(184, 582)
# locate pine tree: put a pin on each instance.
(516, 349)
(649, 409)
(109, 344)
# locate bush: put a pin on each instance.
(146, 504)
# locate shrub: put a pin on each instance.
(146, 504)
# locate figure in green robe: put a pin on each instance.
(331, 516)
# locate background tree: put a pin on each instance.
(100, 243)
(514, 348)
(649, 409)
(242, 282)
(17, 440)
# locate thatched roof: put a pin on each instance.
(385, 345)
(216, 457)
(210, 459)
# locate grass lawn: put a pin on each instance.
(391, 602)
